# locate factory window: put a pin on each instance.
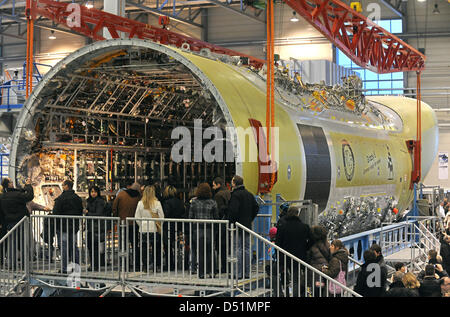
(379, 84)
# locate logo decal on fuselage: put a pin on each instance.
(349, 160)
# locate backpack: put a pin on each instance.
(334, 289)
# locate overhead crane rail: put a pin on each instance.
(364, 42)
(92, 21)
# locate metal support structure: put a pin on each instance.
(240, 12)
(394, 8)
(158, 11)
(364, 42)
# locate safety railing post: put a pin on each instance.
(28, 252)
(232, 259)
(123, 254)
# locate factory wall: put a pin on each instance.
(46, 51)
(436, 74)
(292, 39)
(433, 176)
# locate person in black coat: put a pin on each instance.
(173, 207)
(13, 205)
(68, 204)
(383, 267)
(294, 237)
(318, 256)
(430, 285)
(96, 231)
(14, 202)
(368, 282)
(242, 208)
(222, 197)
(445, 252)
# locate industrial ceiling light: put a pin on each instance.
(52, 36)
(421, 0)
(436, 9)
(294, 17)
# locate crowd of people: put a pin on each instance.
(138, 202)
(312, 246)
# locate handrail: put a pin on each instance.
(321, 274)
(261, 201)
(355, 261)
(428, 235)
(10, 232)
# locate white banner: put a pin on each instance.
(443, 165)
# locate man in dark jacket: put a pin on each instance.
(14, 208)
(383, 268)
(222, 197)
(368, 282)
(14, 202)
(430, 285)
(445, 252)
(294, 237)
(242, 208)
(68, 204)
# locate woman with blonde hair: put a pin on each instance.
(150, 207)
(412, 284)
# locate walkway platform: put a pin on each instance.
(403, 255)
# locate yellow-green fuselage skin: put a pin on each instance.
(382, 164)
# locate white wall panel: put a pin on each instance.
(433, 175)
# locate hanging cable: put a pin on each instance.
(30, 40)
(418, 149)
(270, 90)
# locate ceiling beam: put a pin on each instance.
(391, 7)
(157, 12)
(223, 5)
(39, 24)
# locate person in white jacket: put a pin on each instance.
(149, 208)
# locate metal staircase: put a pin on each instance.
(412, 246)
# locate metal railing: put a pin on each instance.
(14, 260)
(153, 256)
(354, 267)
(424, 232)
(418, 234)
(394, 238)
(283, 275)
